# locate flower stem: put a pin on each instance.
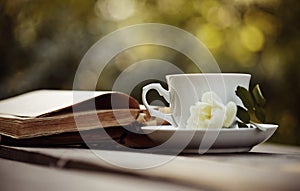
(258, 126)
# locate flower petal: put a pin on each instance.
(216, 121)
(197, 119)
(230, 114)
(211, 112)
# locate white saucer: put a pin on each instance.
(223, 140)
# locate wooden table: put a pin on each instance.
(266, 167)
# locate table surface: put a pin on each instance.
(266, 167)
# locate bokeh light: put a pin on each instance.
(252, 38)
(115, 10)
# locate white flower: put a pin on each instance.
(211, 113)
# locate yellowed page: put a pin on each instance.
(40, 102)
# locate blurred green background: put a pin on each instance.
(43, 41)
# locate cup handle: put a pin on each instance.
(152, 111)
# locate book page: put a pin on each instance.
(41, 102)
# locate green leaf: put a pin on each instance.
(246, 97)
(260, 114)
(243, 114)
(258, 96)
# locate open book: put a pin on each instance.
(48, 117)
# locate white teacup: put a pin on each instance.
(187, 89)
